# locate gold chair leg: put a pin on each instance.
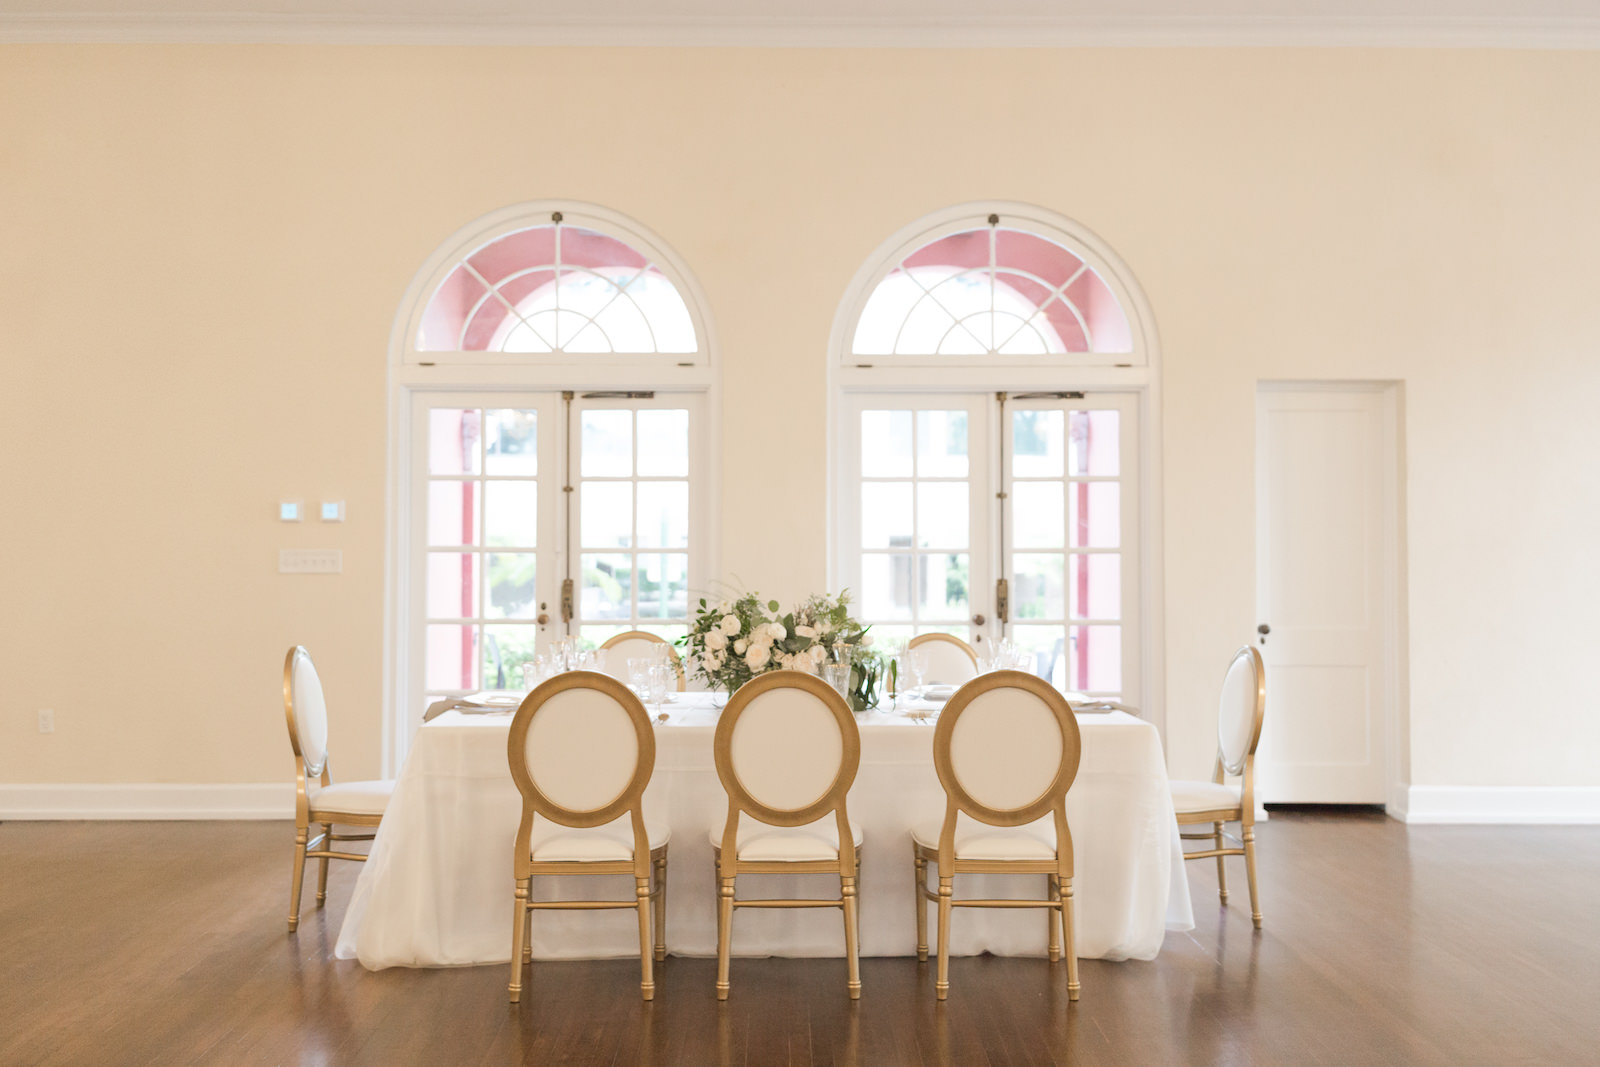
(1069, 946)
(921, 903)
(724, 935)
(647, 981)
(1249, 836)
(661, 907)
(519, 928)
(1222, 873)
(852, 936)
(941, 985)
(322, 875)
(300, 834)
(1053, 892)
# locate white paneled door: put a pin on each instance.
(1325, 517)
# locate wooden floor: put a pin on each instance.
(165, 943)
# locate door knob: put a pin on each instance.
(544, 619)
(1263, 630)
(978, 620)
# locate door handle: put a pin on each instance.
(978, 620)
(1263, 630)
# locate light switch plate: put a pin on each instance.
(333, 511)
(291, 511)
(310, 561)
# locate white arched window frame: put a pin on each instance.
(429, 378)
(931, 388)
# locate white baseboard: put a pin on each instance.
(1527, 805)
(270, 800)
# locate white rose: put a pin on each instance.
(757, 657)
(731, 625)
(761, 637)
(714, 661)
(805, 631)
(817, 653)
(866, 639)
(740, 645)
(716, 640)
(724, 607)
(777, 631)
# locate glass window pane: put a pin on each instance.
(1036, 444)
(511, 443)
(511, 513)
(1096, 445)
(1048, 646)
(664, 443)
(1096, 514)
(943, 587)
(1097, 586)
(886, 586)
(1036, 587)
(663, 585)
(453, 441)
(607, 438)
(941, 444)
(1095, 659)
(1036, 514)
(505, 650)
(663, 514)
(452, 513)
(513, 588)
(606, 587)
(886, 444)
(452, 658)
(606, 514)
(452, 585)
(942, 514)
(886, 515)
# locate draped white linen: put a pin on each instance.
(437, 890)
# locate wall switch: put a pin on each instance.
(47, 720)
(310, 561)
(291, 511)
(333, 511)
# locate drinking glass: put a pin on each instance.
(838, 676)
(916, 668)
(639, 675)
(658, 683)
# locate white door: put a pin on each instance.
(1325, 509)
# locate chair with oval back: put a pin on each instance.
(951, 661)
(1006, 750)
(582, 751)
(634, 643)
(787, 749)
(317, 798)
(1239, 715)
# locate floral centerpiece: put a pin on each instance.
(733, 641)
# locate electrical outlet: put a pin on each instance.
(47, 721)
(310, 561)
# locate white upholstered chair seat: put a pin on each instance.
(760, 843)
(553, 843)
(980, 841)
(352, 798)
(1203, 796)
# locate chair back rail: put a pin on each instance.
(951, 661)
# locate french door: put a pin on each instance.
(540, 515)
(995, 516)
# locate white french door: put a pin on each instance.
(536, 515)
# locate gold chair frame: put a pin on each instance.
(627, 802)
(645, 635)
(729, 866)
(1052, 802)
(949, 639)
(305, 846)
(1245, 813)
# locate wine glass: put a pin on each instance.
(657, 680)
(916, 668)
(639, 675)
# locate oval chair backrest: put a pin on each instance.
(633, 645)
(951, 660)
(1007, 748)
(1240, 710)
(787, 748)
(306, 710)
(581, 749)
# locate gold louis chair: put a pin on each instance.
(1006, 749)
(634, 643)
(951, 661)
(582, 751)
(317, 799)
(787, 749)
(1239, 716)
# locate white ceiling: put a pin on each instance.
(906, 23)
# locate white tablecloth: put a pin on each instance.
(437, 890)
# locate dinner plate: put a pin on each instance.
(936, 694)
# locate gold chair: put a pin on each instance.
(787, 749)
(1239, 715)
(625, 646)
(1006, 750)
(581, 752)
(317, 799)
(951, 661)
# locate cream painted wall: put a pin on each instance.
(202, 251)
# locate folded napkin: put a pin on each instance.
(476, 704)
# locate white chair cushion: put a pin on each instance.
(553, 843)
(352, 798)
(1203, 796)
(980, 841)
(760, 843)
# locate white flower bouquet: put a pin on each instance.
(733, 641)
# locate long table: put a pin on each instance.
(437, 889)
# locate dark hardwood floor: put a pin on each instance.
(165, 943)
